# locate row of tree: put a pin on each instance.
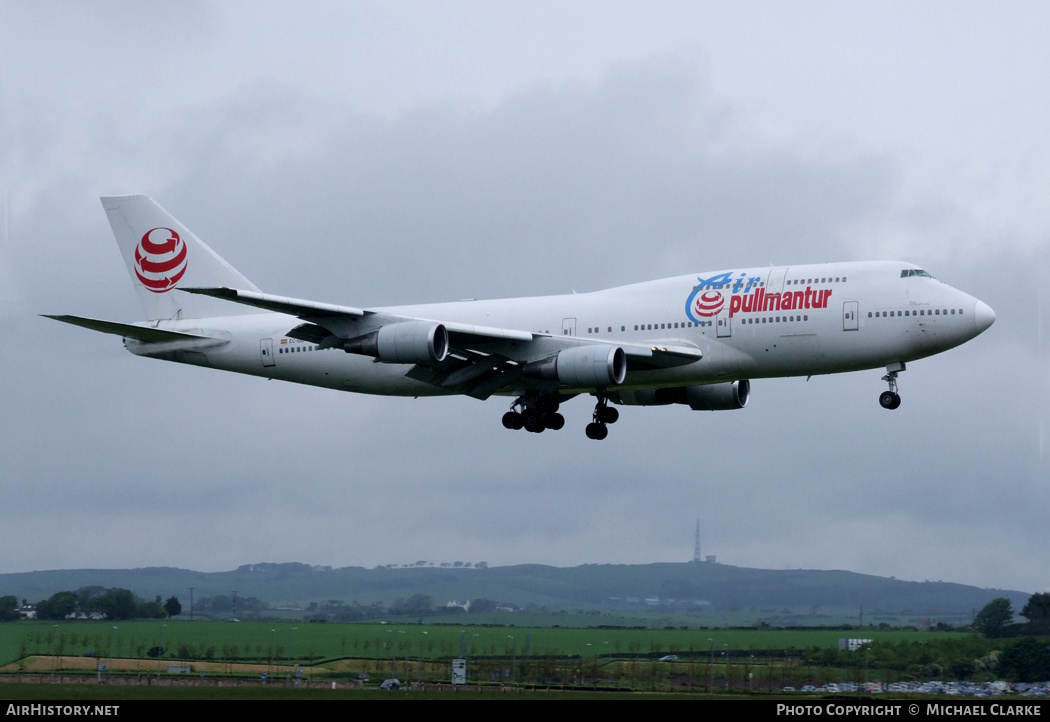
(94, 601)
(123, 604)
(417, 605)
(1026, 659)
(223, 605)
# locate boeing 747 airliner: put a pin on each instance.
(696, 339)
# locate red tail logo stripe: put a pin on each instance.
(160, 264)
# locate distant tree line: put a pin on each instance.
(230, 606)
(417, 605)
(93, 601)
(443, 565)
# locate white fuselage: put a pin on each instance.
(748, 323)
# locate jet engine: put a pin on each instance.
(584, 366)
(410, 342)
(707, 397)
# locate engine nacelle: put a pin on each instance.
(718, 397)
(410, 342)
(707, 397)
(583, 366)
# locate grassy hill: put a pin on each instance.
(778, 595)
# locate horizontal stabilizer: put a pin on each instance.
(127, 330)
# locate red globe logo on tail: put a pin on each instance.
(709, 304)
(160, 259)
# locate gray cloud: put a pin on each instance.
(585, 176)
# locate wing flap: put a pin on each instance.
(473, 374)
(312, 333)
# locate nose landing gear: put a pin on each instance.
(891, 399)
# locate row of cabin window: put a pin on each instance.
(642, 327)
(693, 324)
(918, 312)
(775, 319)
(658, 326)
(793, 282)
(798, 281)
(294, 349)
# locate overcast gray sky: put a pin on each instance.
(369, 153)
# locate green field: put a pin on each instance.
(574, 658)
(306, 643)
(109, 694)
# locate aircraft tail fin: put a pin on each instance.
(163, 255)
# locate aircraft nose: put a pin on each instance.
(983, 315)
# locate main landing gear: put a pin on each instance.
(603, 415)
(539, 412)
(535, 413)
(891, 399)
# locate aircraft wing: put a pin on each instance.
(319, 313)
(459, 333)
(477, 364)
(279, 304)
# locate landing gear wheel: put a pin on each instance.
(534, 413)
(533, 421)
(597, 431)
(889, 400)
(603, 415)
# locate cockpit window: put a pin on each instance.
(914, 272)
